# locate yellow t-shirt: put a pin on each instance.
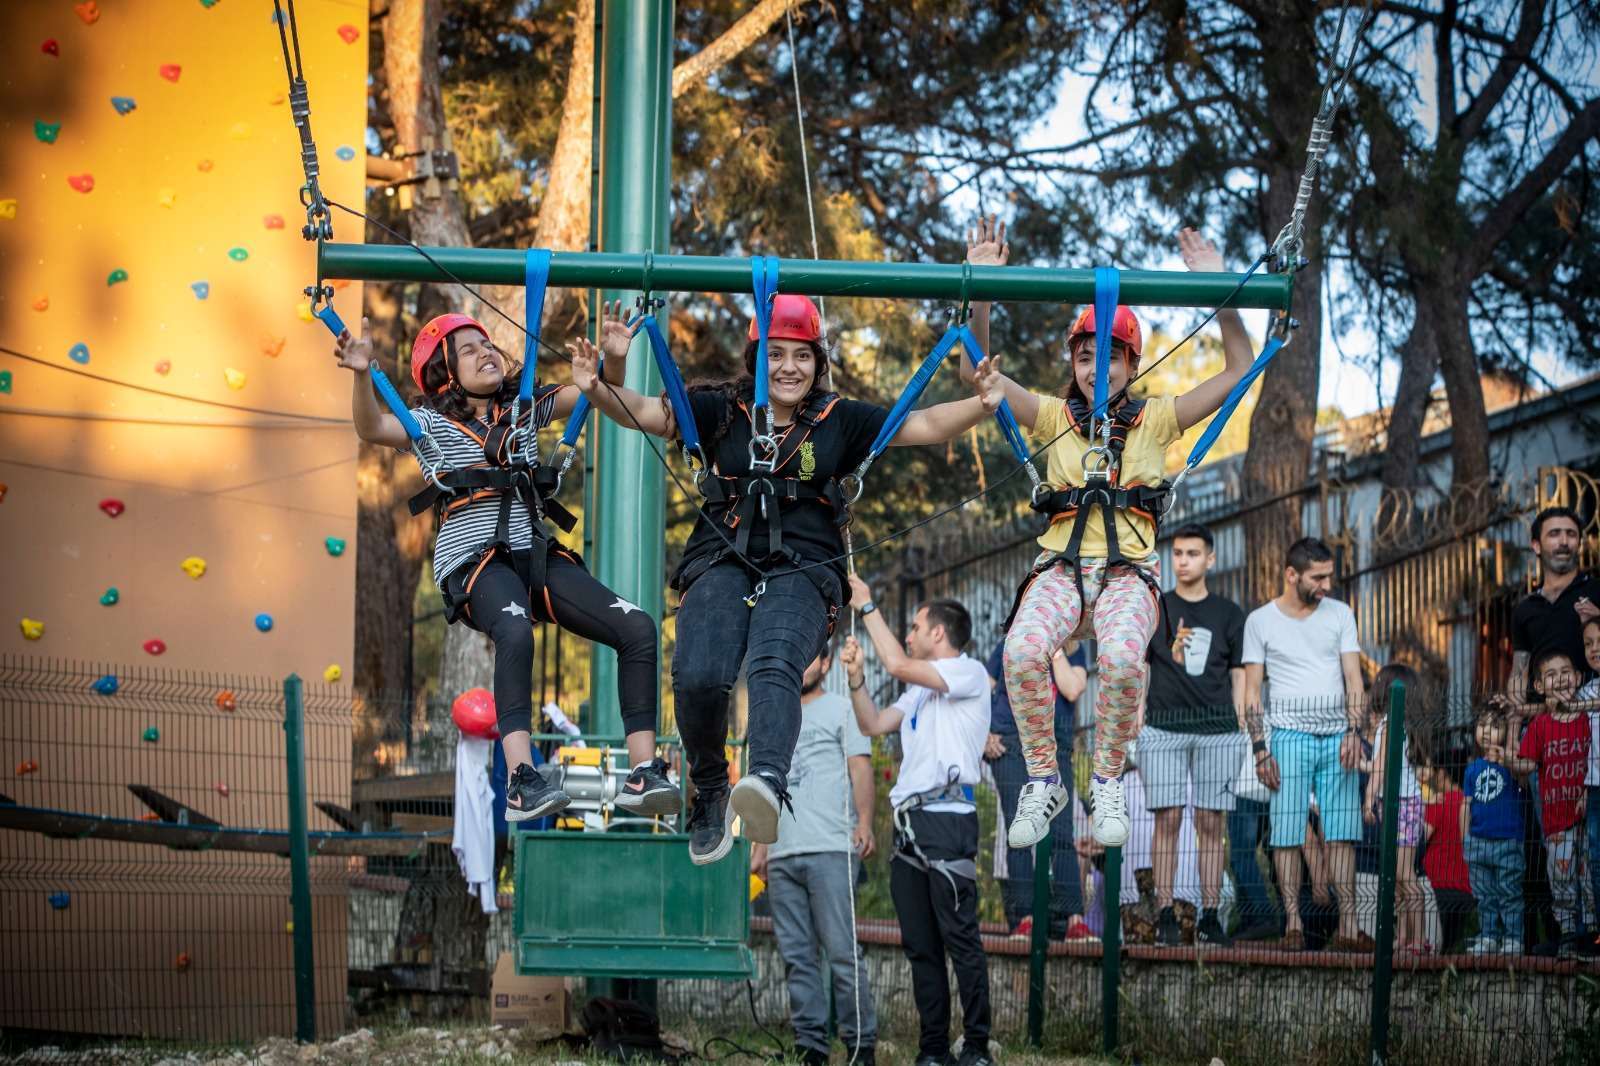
(1143, 463)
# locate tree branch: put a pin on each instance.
(1514, 204)
(1532, 23)
(739, 36)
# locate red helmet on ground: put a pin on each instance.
(474, 715)
(432, 336)
(794, 318)
(1124, 327)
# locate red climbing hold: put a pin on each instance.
(348, 33)
(88, 11)
(170, 71)
(50, 47)
(222, 789)
(27, 766)
(164, 367)
(272, 221)
(155, 646)
(226, 701)
(81, 182)
(112, 506)
(182, 962)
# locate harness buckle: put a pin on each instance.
(1042, 491)
(767, 443)
(1098, 463)
(430, 457)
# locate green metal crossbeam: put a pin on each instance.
(814, 277)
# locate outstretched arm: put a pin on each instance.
(986, 246)
(1203, 400)
(373, 424)
(946, 421)
(617, 402)
(616, 337)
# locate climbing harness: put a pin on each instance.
(907, 849)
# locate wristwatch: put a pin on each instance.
(867, 608)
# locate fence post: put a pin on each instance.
(1111, 959)
(1388, 854)
(305, 999)
(1041, 935)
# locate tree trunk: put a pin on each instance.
(1463, 387)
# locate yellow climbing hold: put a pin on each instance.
(239, 131)
(167, 196)
(235, 378)
(194, 566)
(303, 309)
(332, 673)
(32, 628)
(8, 209)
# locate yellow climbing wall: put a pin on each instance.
(149, 235)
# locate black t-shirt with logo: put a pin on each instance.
(1187, 703)
(1539, 624)
(831, 449)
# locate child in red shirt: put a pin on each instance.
(1556, 744)
(1444, 859)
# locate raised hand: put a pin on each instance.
(585, 364)
(1198, 252)
(616, 330)
(860, 592)
(986, 242)
(990, 384)
(354, 353)
(850, 655)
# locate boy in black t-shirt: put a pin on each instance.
(1192, 745)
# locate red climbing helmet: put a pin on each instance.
(1124, 327)
(432, 336)
(794, 318)
(474, 715)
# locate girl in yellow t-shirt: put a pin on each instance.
(1082, 569)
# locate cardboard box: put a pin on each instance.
(539, 1003)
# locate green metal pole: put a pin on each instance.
(1111, 961)
(1388, 858)
(630, 225)
(1040, 945)
(627, 517)
(305, 997)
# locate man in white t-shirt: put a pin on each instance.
(1302, 646)
(943, 722)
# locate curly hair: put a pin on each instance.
(442, 389)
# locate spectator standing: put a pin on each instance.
(1556, 746)
(1003, 749)
(811, 874)
(1194, 730)
(1444, 861)
(942, 720)
(1589, 701)
(1553, 614)
(1303, 679)
(1410, 904)
(1494, 848)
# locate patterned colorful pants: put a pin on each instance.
(1125, 613)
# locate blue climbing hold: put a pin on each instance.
(345, 153)
(78, 353)
(202, 289)
(107, 685)
(60, 900)
(123, 104)
(264, 623)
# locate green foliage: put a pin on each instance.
(1580, 1044)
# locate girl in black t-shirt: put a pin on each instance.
(763, 572)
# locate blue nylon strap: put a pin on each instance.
(764, 283)
(672, 382)
(1009, 428)
(1107, 287)
(575, 422)
(535, 276)
(1225, 412)
(913, 392)
(380, 380)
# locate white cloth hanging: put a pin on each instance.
(473, 841)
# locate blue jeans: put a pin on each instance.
(1066, 887)
(1495, 869)
(810, 899)
(1594, 847)
(775, 641)
(1246, 823)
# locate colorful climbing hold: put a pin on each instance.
(81, 182)
(239, 131)
(264, 623)
(46, 131)
(107, 685)
(272, 221)
(110, 596)
(226, 700)
(339, 284)
(303, 309)
(32, 629)
(60, 900)
(26, 767)
(170, 71)
(5, 381)
(209, 3)
(194, 566)
(155, 646)
(50, 47)
(335, 546)
(238, 255)
(276, 100)
(117, 276)
(42, 304)
(88, 11)
(202, 289)
(345, 153)
(348, 33)
(150, 735)
(272, 346)
(222, 789)
(234, 378)
(150, 816)
(8, 209)
(182, 962)
(78, 353)
(332, 673)
(167, 197)
(112, 506)
(3, 487)
(204, 166)
(123, 104)
(164, 367)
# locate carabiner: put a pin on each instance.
(1099, 470)
(769, 444)
(755, 597)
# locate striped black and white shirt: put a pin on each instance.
(467, 531)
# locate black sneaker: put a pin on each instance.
(758, 799)
(710, 837)
(1568, 947)
(1168, 935)
(933, 1060)
(866, 1055)
(1209, 931)
(1264, 929)
(529, 795)
(810, 1056)
(975, 1057)
(649, 792)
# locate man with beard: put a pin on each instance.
(1552, 616)
(1302, 646)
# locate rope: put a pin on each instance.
(805, 165)
(319, 224)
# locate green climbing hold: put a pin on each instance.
(5, 381)
(46, 131)
(151, 735)
(335, 546)
(238, 255)
(110, 596)
(116, 276)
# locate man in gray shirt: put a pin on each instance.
(811, 873)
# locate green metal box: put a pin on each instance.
(630, 905)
